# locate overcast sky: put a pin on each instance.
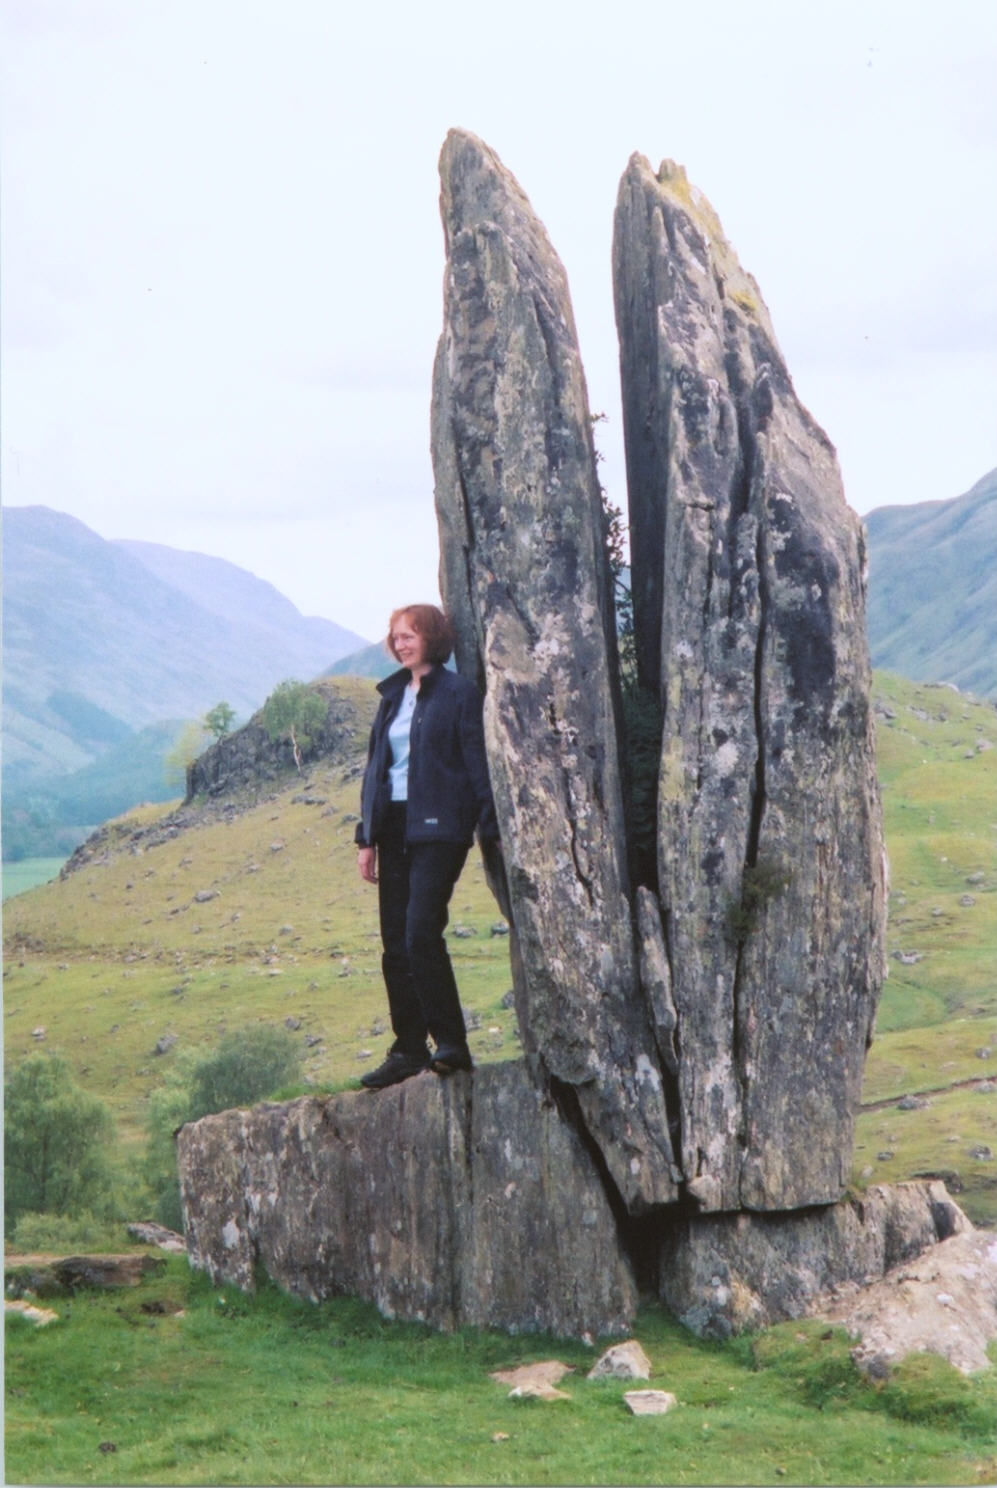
(222, 255)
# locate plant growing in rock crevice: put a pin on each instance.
(761, 882)
(640, 713)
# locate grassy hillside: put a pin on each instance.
(933, 589)
(259, 916)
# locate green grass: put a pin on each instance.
(199, 1384)
(937, 764)
(122, 952)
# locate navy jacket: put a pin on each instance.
(449, 795)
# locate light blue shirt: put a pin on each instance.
(398, 737)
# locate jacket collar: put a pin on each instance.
(391, 686)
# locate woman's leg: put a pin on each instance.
(434, 868)
(393, 867)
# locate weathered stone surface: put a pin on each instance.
(468, 1201)
(650, 1402)
(623, 1361)
(944, 1302)
(748, 582)
(723, 1273)
(523, 571)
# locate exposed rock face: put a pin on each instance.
(461, 1202)
(945, 1302)
(524, 573)
(723, 1273)
(749, 609)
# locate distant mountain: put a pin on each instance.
(104, 639)
(371, 661)
(933, 589)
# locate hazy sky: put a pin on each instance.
(222, 256)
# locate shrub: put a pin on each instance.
(248, 1065)
(57, 1142)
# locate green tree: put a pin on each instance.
(294, 711)
(57, 1142)
(191, 741)
(248, 1065)
(219, 720)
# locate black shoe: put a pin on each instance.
(397, 1067)
(450, 1058)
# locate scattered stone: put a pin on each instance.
(156, 1234)
(365, 1053)
(545, 1372)
(311, 1039)
(912, 1103)
(500, 1436)
(982, 1153)
(986, 1087)
(908, 958)
(508, 999)
(40, 1316)
(38, 1034)
(622, 1361)
(463, 932)
(165, 1043)
(985, 1052)
(277, 846)
(107, 1446)
(538, 1392)
(884, 1156)
(293, 1024)
(499, 928)
(650, 1402)
(976, 878)
(204, 896)
(287, 930)
(936, 913)
(967, 901)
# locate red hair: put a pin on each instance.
(429, 622)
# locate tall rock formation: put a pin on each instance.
(524, 573)
(748, 591)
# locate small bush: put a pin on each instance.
(248, 1065)
(64, 1232)
(57, 1143)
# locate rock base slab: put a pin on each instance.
(464, 1202)
(723, 1273)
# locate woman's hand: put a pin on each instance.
(367, 864)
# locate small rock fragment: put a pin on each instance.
(650, 1402)
(622, 1361)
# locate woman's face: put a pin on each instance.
(410, 646)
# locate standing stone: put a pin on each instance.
(524, 574)
(748, 583)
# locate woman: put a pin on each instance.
(425, 791)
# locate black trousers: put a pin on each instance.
(415, 882)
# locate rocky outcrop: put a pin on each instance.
(468, 1201)
(524, 573)
(723, 1273)
(748, 593)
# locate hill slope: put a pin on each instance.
(104, 638)
(933, 589)
(247, 907)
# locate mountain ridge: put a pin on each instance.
(933, 589)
